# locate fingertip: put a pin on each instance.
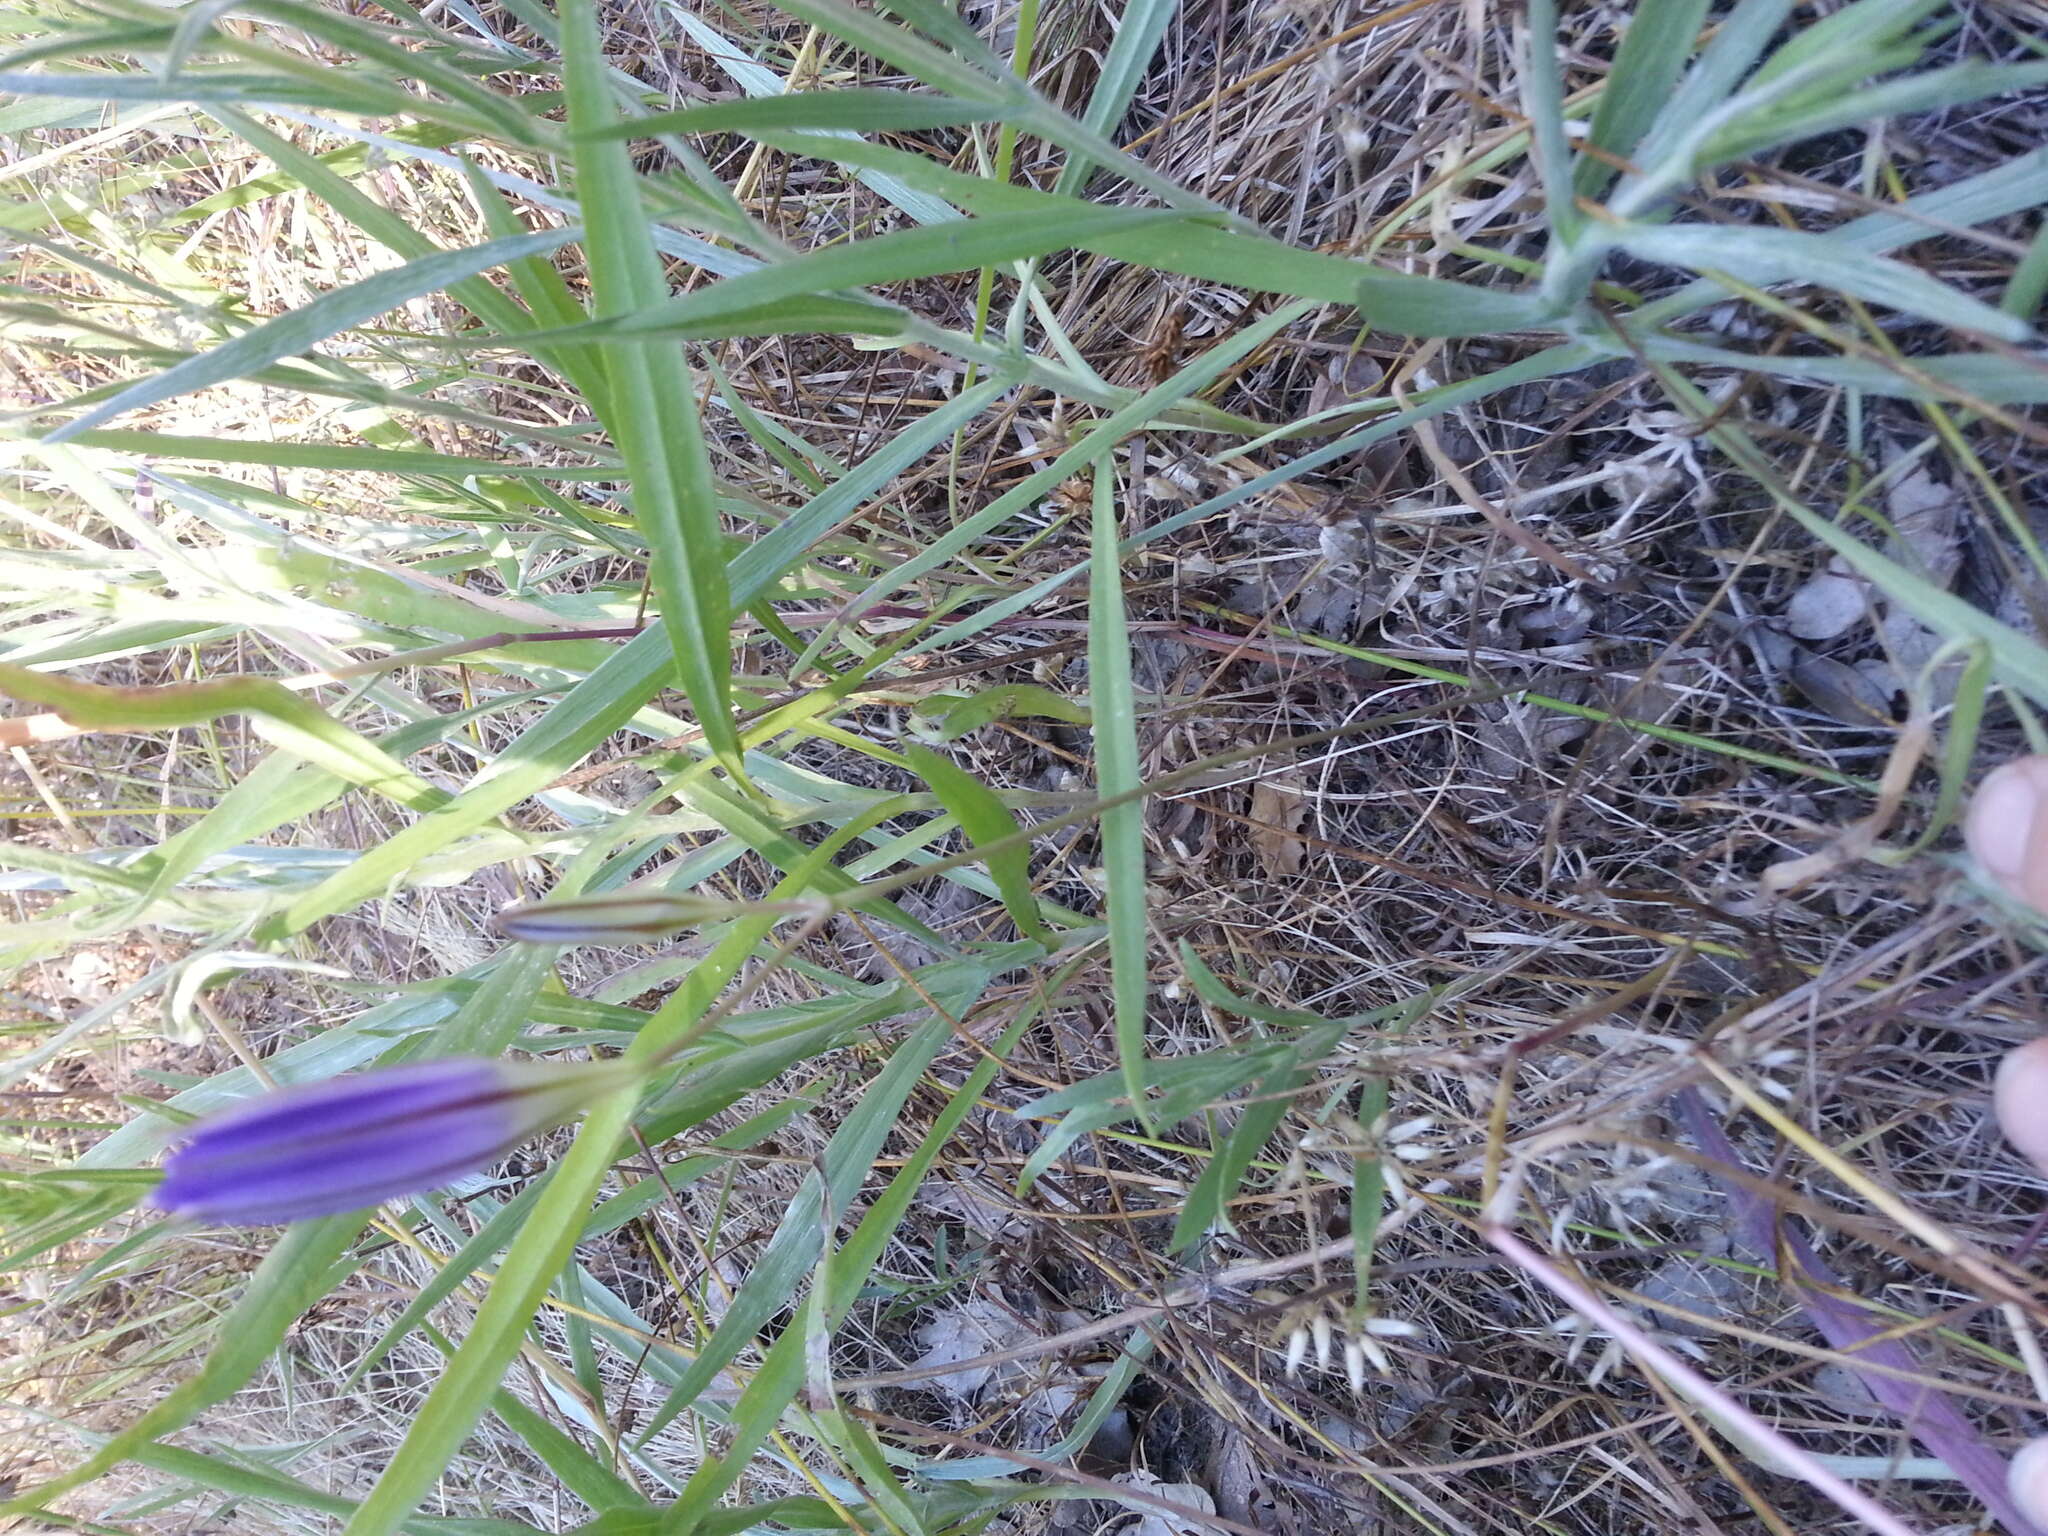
(2019, 1099)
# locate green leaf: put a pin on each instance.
(195, 26)
(591, 711)
(41, 1211)
(1206, 1207)
(654, 400)
(474, 1374)
(791, 1254)
(581, 1473)
(246, 1477)
(1140, 27)
(1928, 91)
(1971, 378)
(958, 716)
(1117, 773)
(1766, 256)
(1543, 98)
(940, 21)
(1738, 42)
(350, 159)
(1646, 68)
(933, 65)
(298, 725)
(781, 1374)
(349, 91)
(764, 560)
(863, 110)
(287, 455)
(985, 819)
(1988, 195)
(1848, 40)
(1394, 301)
(495, 110)
(2023, 294)
(956, 246)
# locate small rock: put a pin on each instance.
(1706, 1290)
(1829, 604)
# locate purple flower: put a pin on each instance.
(352, 1142)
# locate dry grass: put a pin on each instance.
(1588, 894)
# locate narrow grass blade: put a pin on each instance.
(195, 26)
(249, 1479)
(764, 560)
(1857, 35)
(2029, 282)
(1543, 98)
(1115, 708)
(1206, 1208)
(588, 1478)
(473, 1375)
(1927, 91)
(296, 724)
(779, 1273)
(487, 302)
(1646, 67)
(596, 707)
(957, 246)
(1193, 377)
(675, 497)
(985, 819)
(212, 86)
(1738, 43)
(288, 455)
(861, 110)
(928, 62)
(1140, 28)
(938, 20)
(781, 1375)
(756, 79)
(432, 66)
(1398, 301)
(1766, 256)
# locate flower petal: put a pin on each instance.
(354, 1141)
(344, 1104)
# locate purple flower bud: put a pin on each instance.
(355, 1141)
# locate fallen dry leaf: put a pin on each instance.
(1279, 806)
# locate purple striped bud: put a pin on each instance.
(633, 919)
(355, 1141)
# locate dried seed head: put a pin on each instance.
(1297, 1350)
(1354, 1364)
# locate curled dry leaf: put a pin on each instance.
(1154, 1521)
(1279, 806)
